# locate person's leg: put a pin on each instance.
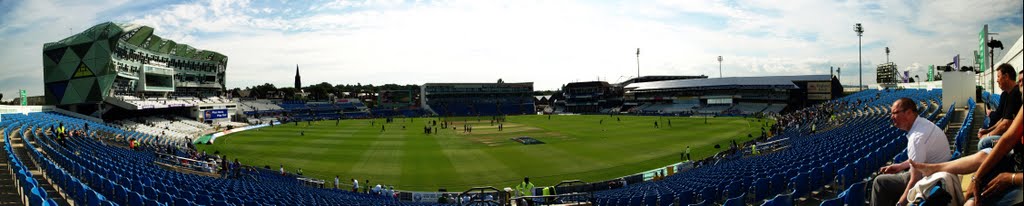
(964, 165)
(888, 188)
(970, 202)
(988, 142)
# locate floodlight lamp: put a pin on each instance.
(995, 44)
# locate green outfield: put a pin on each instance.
(576, 147)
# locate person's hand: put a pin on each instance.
(998, 184)
(971, 190)
(891, 169)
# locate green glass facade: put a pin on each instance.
(80, 69)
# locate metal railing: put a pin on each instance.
(580, 192)
(193, 164)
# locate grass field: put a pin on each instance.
(576, 147)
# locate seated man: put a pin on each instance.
(925, 143)
(1009, 103)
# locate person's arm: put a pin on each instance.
(1000, 127)
(1002, 146)
(986, 131)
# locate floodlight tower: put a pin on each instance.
(637, 62)
(719, 66)
(860, 33)
(887, 54)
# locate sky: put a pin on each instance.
(550, 43)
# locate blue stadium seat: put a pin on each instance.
(220, 203)
(855, 194)
(838, 201)
(762, 187)
(120, 195)
(799, 185)
(35, 197)
(736, 201)
(135, 199)
(686, 197)
(666, 199)
(635, 201)
(95, 199)
(183, 202)
(650, 199)
(780, 200)
(702, 203)
(202, 200)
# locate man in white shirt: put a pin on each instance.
(355, 185)
(925, 143)
(336, 182)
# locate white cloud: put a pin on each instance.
(546, 42)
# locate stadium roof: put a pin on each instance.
(779, 82)
(652, 78)
(138, 36)
(588, 84)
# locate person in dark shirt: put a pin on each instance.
(1009, 104)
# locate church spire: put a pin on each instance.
(298, 82)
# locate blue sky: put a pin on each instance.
(549, 43)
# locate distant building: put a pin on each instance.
(591, 97)
(128, 67)
(737, 95)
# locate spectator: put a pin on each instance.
(282, 170)
(688, 153)
(366, 190)
(1009, 103)
(336, 182)
(525, 188)
(926, 143)
(61, 133)
(355, 185)
(237, 168)
(224, 167)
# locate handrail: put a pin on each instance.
(586, 193)
(210, 166)
(500, 200)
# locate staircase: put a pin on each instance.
(8, 193)
(972, 138)
(22, 153)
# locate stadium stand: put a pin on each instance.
(478, 99)
(176, 131)
(254, 106)
(92, 172)
(591, 97)
(750, 108)
(809, 169)
(347, 108)
(774, 108)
